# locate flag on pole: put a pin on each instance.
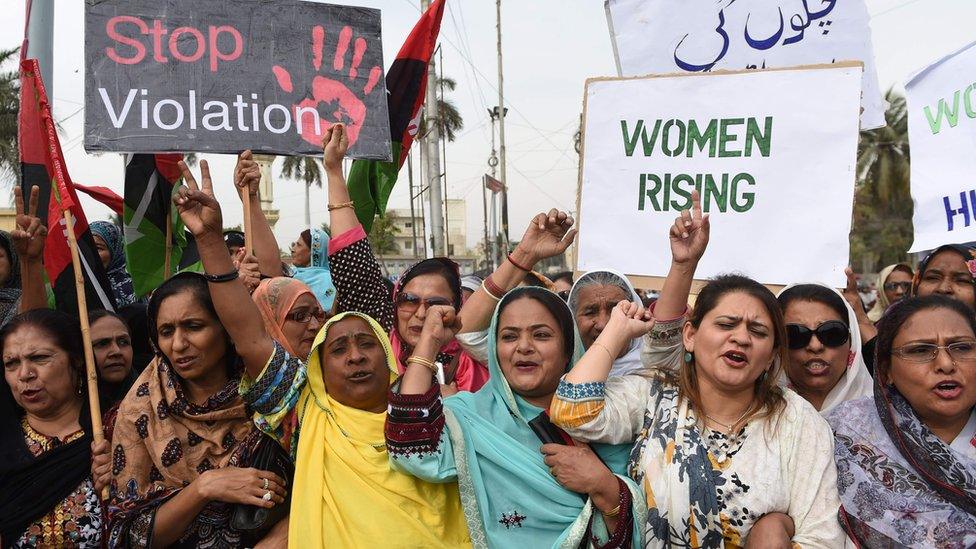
(370, 182)
(42, 164)
(102, 194)
(148, 206)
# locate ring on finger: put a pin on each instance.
(267, 495)
(265, 484)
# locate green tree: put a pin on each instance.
(882, 229)
(382, 236)
(9, 105)
(449, 119)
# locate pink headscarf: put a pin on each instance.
(275, 297)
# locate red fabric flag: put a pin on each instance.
(42, 164)
(104, 195)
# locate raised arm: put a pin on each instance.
(355, 272)
(201, 214)
(247, 177)
(28, 240)
(439, 328)
(342, 213)
(689, 238)
(628, 321)
(547, 235)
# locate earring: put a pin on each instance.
(688, 357)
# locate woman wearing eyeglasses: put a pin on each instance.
(291, 313)
(894, 283)
(906, 456)
(826, 366)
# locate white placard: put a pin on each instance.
(942, 132)
(772, 151)
(665, 36)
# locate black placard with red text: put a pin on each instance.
(222, 77)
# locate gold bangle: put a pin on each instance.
(613, 512)
(423, 362)
(604, 347)
(349, 204)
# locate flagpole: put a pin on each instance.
(248, 238)
(94, 406)
(167, 261)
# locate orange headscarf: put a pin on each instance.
(275, 297)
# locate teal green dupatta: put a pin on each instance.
(508, 495)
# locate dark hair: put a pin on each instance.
(98, 314)
(556, 307)
(532, 279)
(563, 275)
(61, 329)
(896, 317)
(306, 237)
(195, 284)
(136, 319)
(234, 238)
(440, 266)
(768, 392)
(817, 294)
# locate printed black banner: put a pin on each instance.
(218, 76)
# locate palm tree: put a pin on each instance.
(883, 154)
(882, 229)
(9, 104)
(306, 169)
(449, 119)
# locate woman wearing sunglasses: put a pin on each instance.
(826, 365)
(894, 284)
(906, 456)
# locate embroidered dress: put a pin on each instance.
(345, 492)
(705, 488)
(900, 485)
(163, 442)
(77, 520)
(483, 441)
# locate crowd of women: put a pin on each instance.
(316, 405)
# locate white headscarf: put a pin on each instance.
(857, 381)
(631, 361)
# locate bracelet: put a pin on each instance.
(423, 362)
(516, 265)
(339, 206)
(493, 289)
(604, 347)
(616, 510)
(226, 277)
(487, 291)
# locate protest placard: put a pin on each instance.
(773, 160)
(665, 36)
(213, 76)
(942, 132)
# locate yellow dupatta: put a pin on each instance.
(345, 492)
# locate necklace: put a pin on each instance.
(728, 428)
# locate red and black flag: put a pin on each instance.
(42, 164)
(148, 208)
(370, 182)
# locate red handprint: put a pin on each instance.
(333, 99)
